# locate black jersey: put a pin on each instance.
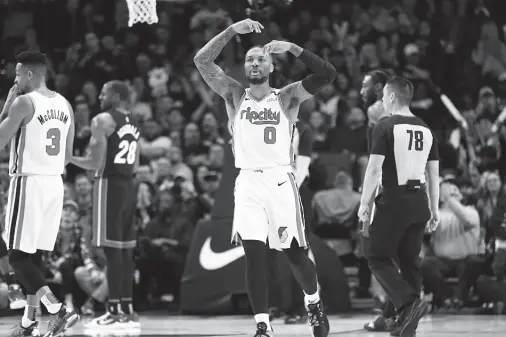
(121, 153)
(407, 144)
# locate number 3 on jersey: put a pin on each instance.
(127, 152)
(54, 136)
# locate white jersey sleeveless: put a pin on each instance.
(262, 134)
(39, 147)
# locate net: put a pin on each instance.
(141, 11)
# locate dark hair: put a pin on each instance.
(120, 88)
(30, 57)
(256, 46)
(402, 88)
(378, 76)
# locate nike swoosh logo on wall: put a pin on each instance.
(211, 260)
(279, 184)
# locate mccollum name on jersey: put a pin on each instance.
(53, 114)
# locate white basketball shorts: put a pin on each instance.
(268, 206)
(33, 214)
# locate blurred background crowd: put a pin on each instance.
(451, 46)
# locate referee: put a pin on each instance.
(403, 149)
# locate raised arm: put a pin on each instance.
(294, 94)
(70, 136)
(102, 127)
(215, 77)
(21, 109)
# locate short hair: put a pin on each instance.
(402, 88)
(120, 88)
(255, 46)
(378, 76)
(30, 57)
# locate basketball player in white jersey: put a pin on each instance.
(267, 203)
(40, 126)
(403, 150)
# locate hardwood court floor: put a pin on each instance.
(345, 326)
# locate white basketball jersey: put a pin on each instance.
(262, 134)
(412, 145)
(39, 147)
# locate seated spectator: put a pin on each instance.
(178, 167)
(93, 282)
(152, 144)
(163, 246)
(209, 184)
(335, 210)
(492, 290)
(455, 246)
(71, 250)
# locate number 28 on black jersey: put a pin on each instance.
(121, 151)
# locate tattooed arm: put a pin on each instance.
(215, 77)
(294, 94)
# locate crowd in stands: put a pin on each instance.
(451, 46)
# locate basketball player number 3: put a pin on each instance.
(418, 140)
(127, 152)
(270, 135)
(54, 136)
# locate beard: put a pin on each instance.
(258, 80)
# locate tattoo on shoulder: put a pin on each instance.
(290, 92)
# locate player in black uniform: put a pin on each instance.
(403, 149)
(372, 93)
(113, 155)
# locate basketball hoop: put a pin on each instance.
(141, 11)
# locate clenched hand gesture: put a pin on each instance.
(277, 47)
(247, 26)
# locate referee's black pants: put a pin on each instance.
(396, 233)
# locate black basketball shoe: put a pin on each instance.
(410, 317)
(318, 320)
(262, 331)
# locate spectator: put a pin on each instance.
(454, 244)
(178, 167)
(164, 245)
(71, 250)
(152, 144)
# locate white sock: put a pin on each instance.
(263, 318)
(311, 299)
(29, 316)
(53, 308)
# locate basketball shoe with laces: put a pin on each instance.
(131, 321)
(262, 330)
(318, 320)
(409, 318)
(31, 331)
(106, 321)
(60, 322)
(16, 297)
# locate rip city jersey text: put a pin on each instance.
(121, 153)
(262, 134)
